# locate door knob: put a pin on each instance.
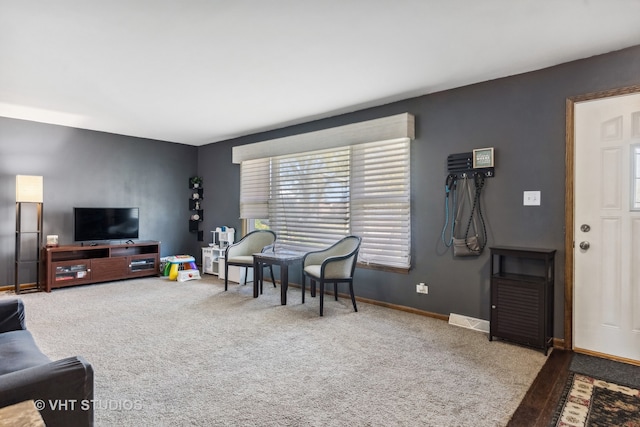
(584, 245)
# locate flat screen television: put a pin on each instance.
(91, 224)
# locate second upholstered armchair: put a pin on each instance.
(336, 264)
(241, 253)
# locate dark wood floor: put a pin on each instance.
(539, 404)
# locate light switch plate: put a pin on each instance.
(531, 198)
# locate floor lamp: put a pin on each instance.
(29, 195)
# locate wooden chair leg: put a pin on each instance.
(226, 276)
(313, 288)
(335, 290)
(353, 297)
(321, 297)
(304, 281)
(246, 274)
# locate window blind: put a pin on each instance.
(318, 187)
(309, 205)
(380, 201)
(254, 188)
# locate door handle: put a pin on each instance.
(584, 245)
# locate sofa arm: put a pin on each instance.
(63, 391)
(12, 315)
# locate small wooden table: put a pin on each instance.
(284, 260)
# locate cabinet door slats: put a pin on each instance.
(522, 304)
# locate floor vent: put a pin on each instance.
(469, 322)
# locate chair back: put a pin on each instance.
(341, 258)
(253, 242)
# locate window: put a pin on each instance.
(313, 199)
(380, 202)
(309, 204)
(314, 188)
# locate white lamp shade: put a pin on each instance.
(29, 188)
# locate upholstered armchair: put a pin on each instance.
(241, 253)
(336, 264)
(28, 374)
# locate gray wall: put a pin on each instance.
(523, 117)
(86, 168)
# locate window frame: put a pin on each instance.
(375, 180)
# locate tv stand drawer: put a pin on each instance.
(103, 269)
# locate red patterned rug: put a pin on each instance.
(587, 401)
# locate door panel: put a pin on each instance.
(607, 253)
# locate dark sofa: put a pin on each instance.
(63, 387)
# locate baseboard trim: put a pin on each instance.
(559, 344)
(400, 308)
(384, 304)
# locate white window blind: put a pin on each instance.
(380, 201)
(318, 187)
(254, 188)
(314, 199)
(309, 205)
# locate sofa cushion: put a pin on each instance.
(18, 351)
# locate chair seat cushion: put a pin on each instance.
(18, 351)
(241, 259)
(313, 270)
(329, 272)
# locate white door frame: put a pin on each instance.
(569, 202)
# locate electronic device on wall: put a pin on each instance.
(466, 170)
(476, 162)
(483, 158)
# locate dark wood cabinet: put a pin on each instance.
(522, 281)
(79, 265)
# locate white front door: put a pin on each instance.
(607, 227)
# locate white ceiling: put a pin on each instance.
(201, 71)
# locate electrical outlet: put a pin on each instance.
(531, 198)
(421, 288)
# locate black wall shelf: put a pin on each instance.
(461, 165)
(195, 207)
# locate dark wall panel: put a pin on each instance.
(523, 117)
(86, 168)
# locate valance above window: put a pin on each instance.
(382, 129)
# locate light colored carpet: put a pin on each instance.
(174, 354)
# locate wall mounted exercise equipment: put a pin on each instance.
(460, 168)
(450, 204)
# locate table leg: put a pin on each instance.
(256, 266)
(284, 283)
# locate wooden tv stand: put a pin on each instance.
(80, 265)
